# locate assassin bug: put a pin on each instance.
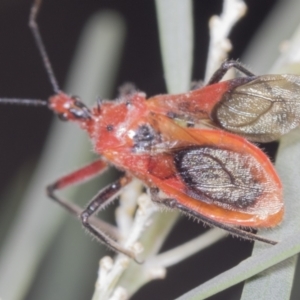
(259, 108)
(218, 177)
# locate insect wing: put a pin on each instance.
(219, 175)
(193, 106)
(263, 109)
(260, 109)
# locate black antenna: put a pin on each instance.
(41, 47)
(37, 37)
(29, 102)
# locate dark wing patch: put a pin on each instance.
(223, 177)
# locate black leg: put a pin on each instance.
(219, 74)
(103, 198)
(174, 204)
(94, 225)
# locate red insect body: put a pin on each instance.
(243, 190)
(214, 175)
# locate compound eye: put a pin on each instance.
(76, 99)
(63, 117)
(78, 113)
(79, 109)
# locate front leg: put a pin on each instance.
(103, 198)
(83, 174)
(94, 225)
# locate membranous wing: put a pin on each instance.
(261, 110)
(221, 176)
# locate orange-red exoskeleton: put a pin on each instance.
(190, 150)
